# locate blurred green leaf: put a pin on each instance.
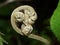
(1, 41)
(55, 22)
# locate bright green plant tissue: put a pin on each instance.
(55, 22)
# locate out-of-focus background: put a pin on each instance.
(44, 9)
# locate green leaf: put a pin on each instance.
(55, 22)
(1, 41)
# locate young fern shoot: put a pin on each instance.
(27, 16)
